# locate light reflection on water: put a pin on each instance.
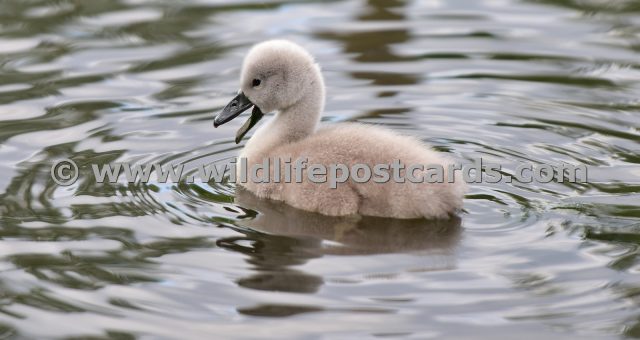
(510, 81)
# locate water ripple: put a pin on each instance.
(138, 81)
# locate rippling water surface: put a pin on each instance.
(139, 80)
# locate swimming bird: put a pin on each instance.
(281, 76)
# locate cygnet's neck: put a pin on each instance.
(300, 119)
(290, 124)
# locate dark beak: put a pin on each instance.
(238, 105)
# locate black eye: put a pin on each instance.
(255, 82)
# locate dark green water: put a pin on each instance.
(139, 80)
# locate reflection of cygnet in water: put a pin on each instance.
(351, 235)
(283, 238)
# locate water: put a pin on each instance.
(139, 80)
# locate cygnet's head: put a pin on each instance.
(276, 74)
